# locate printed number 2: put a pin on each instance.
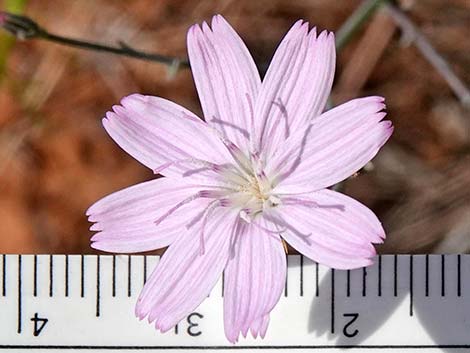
(346, 329)
(39, 323)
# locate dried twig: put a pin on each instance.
(428, 51)
(23, 27)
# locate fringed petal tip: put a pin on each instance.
(257, 328)
(152, 318)
(89, 211)
(96, 245)
(138, 312)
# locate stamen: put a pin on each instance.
(287, 158)
(245, 215)
(279, 221)
(310, 203)
(298, 201)
(233, 126)
(237, 154)
(209, 211)
(269, 232)
(252, 122)
(194, 161)
(200, 214)
(277, 231)
(234, 237)
(258, 167)
(283, 110)
(200, 194)
(262, 177)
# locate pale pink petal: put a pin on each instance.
(226, 78)
(158, 133)
(330, 228)
(337, 144)
(253, 282)
(184, 277)
(125, 220)
(296, 87)
(260, 326)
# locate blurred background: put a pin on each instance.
(56, 159)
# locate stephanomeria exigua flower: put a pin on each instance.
(235, 186)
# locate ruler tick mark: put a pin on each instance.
(114, 276)
(145, 269)
(348, 283)
(364, 281)
(395, 276)
(98, 286)
(317, 289)
(459, 279)
(287, 276)
(411, 285)
(66, 275)
(51, 276)
(35, 276)
(301, 275)
(379, 279)
(443, 273)
(426, 289)
(129, 271)
(332, 301)
(20, 309)
(82, 276)
(4, 271)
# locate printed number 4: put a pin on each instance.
(39, 324)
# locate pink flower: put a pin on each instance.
(255, 172)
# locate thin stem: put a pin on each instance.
(355, 22)
(23, 27)
(428, 51)
(123, 49)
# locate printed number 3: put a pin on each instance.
(192, 328)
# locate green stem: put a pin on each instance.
(355, 22)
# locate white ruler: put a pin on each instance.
(86, 303)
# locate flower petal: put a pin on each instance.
(184, 277)
(125, 220)
(336, 145)
(260, 326)
(253, 281)
(296, 87)
(226, 78)
(331, 228)
(158, 132)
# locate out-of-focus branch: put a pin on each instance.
(355, 22)
(23, 27)
(428, 51)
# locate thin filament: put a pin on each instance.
(193, 161)
(209, 211)
(200, 194)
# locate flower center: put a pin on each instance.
(252, 189)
